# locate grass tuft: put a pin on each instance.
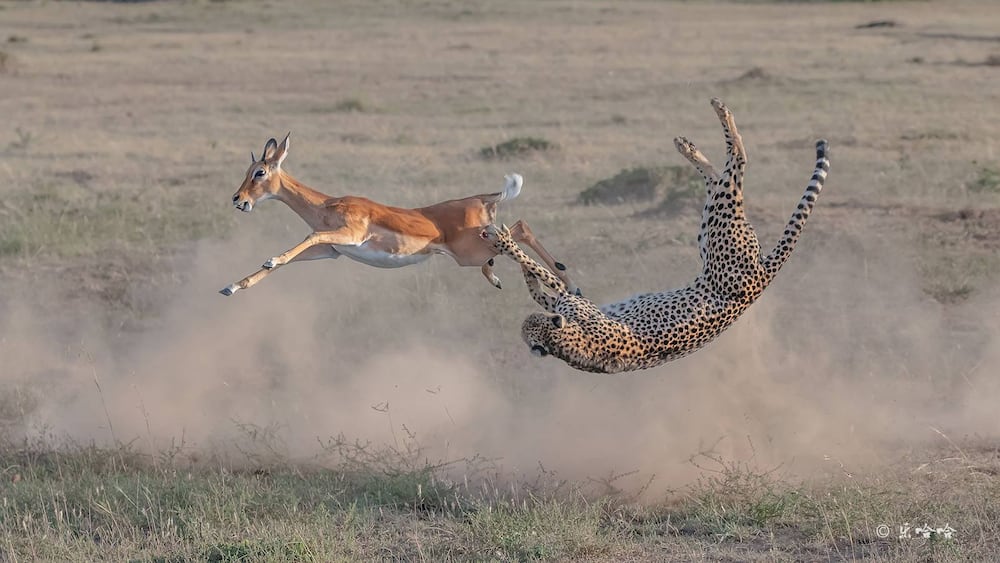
(351, 105)
(516, 147)
(23, 139)
(257, 550)
(987, 180)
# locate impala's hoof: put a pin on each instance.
(271, 263)
(229, 290)
(496, 282)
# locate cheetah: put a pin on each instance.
(651, 329)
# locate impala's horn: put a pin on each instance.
(253, 159)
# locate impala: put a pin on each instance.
(376, 234)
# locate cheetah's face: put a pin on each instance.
(540, 332)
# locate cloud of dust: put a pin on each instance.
(841, 360)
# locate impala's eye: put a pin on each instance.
(259, 173)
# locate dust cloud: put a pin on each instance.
(840, 362)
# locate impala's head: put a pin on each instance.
(263, 177)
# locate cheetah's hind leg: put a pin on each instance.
(732, 176)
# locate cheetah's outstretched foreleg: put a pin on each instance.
(777, 257)
(535, 275)
(689, 151)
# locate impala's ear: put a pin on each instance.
(558, 321)
(270, 147)
(282, 152)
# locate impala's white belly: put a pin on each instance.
(366, 254)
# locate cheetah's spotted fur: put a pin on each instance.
(653, 328)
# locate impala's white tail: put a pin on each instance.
(512, 188)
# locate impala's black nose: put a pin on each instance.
(236, 198)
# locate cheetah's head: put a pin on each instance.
(565, 339)
(541, 333)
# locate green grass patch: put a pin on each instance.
(517, 147)
(256, 550)
(987, 180)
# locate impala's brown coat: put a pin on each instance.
(376, 234)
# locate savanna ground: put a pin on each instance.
(339, 412)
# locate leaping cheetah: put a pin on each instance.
(650, 329)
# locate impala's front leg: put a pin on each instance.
(487, 270)
(244, 283)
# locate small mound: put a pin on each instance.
(641, 184)
(518, 146)
(755, 73)
(876, 24)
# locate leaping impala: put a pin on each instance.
(376, 234)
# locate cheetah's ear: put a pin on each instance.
(558, 321)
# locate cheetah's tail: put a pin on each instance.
(777, 258)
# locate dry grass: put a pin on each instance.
(365, 504)
(128, 127)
